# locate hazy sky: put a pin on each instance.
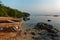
(35, 6)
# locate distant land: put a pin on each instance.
(45, 15)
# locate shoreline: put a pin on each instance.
(32, 34)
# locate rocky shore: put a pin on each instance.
(46, 32)
(41, 31)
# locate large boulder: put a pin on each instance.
(47, 27)
(46, 32)
(43, 26)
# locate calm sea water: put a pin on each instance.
(55, 21)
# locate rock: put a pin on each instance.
(46, 30)
(49, 20)
(53, 30)
(39, 33)
(36, 38)
(32, 37)
(42, 32)
(32, 33)
(52, 34)
(43, 26)
(25, 33)
(26, 18)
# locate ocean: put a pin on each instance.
(55, 21)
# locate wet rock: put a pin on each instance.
(52, 34)
(26, 18)
(42, 32)
(32, 37)
(25, 33)
(55, 30)
(52, 31)
(49, 20)
(46, 31)
(36, 38)
(43, 26)
(39, 33)
(32, 33)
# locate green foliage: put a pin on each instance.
(3, 11)
(7, 11)
(26, 14)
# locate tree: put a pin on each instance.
(7, 11)
(25, 14)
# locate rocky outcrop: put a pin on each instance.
(41, 31)
(25, 19)
(43, 26)
(46, 32)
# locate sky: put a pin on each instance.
(35, 6)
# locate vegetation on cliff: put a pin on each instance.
(9, 12)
